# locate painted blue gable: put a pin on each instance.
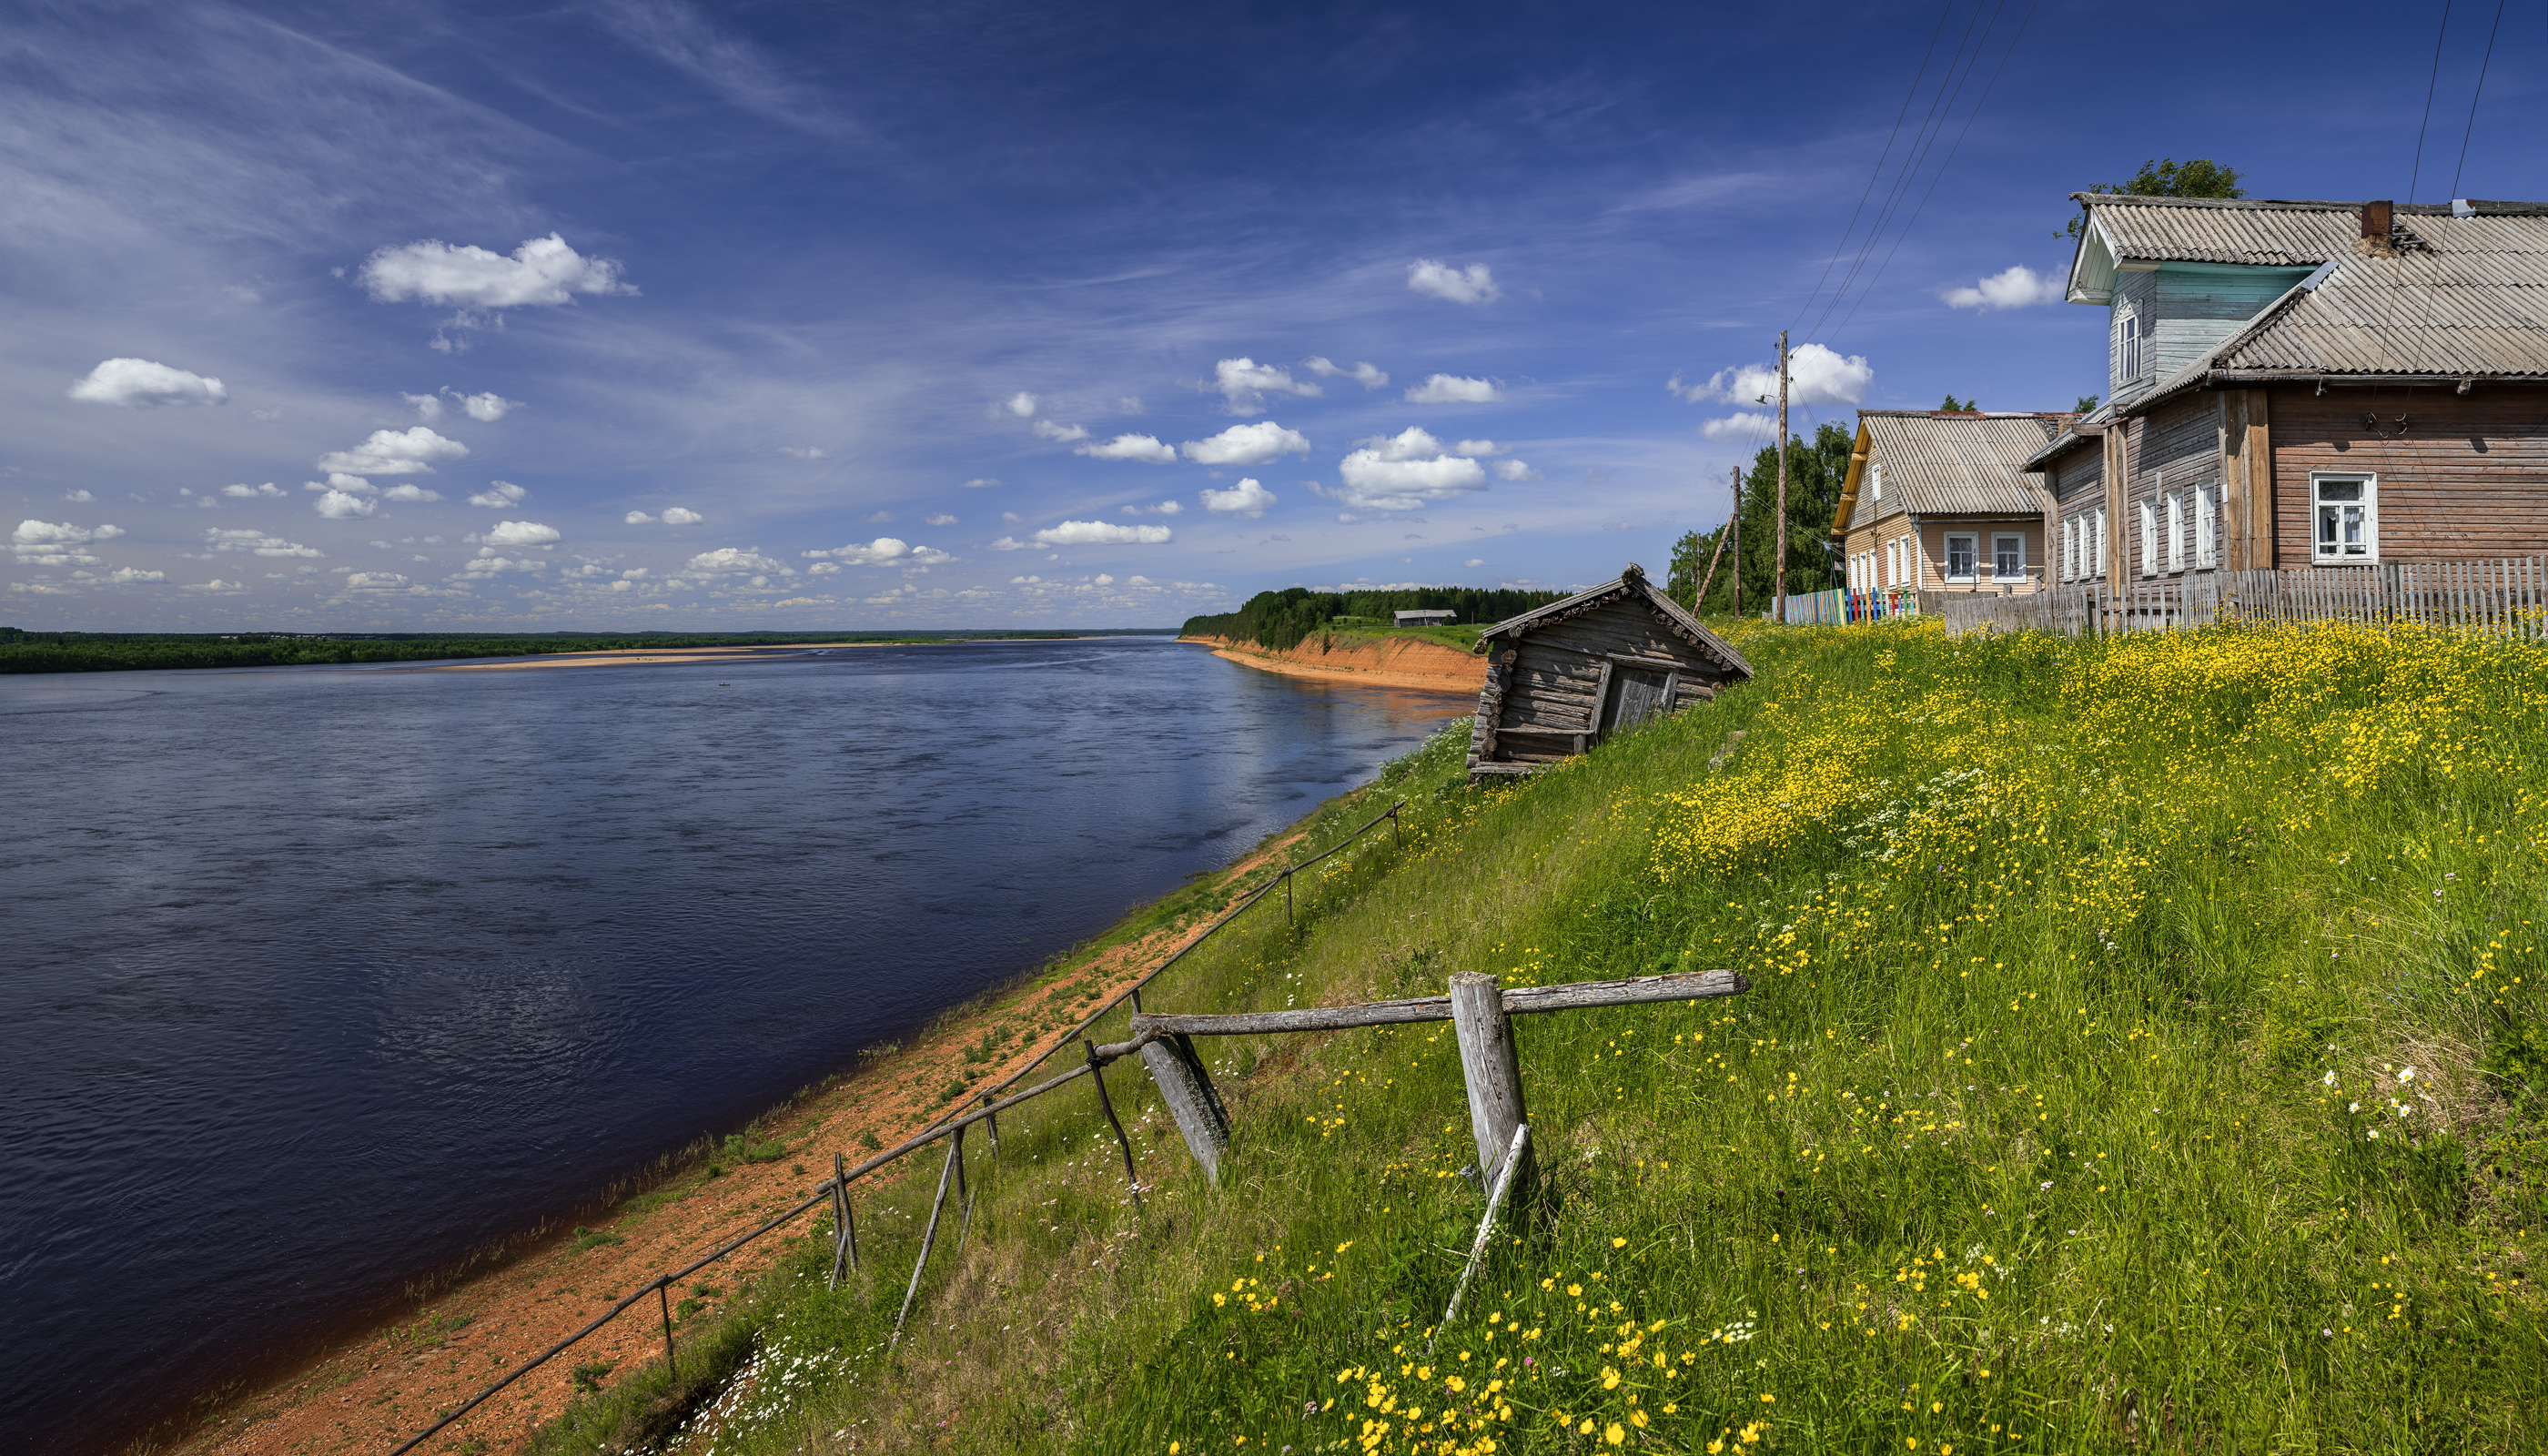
(2182, 311)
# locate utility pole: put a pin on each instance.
(1778, 592)
(1734, 523)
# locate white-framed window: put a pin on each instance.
(1963, 552)
(1876, 478)
(2127, 348)
(2207, 526)
(2070, 547)
(1893, 563)
(2008, 557)
(2150, 540)
(2100, 569)
(2344, 511)
(2174, 506)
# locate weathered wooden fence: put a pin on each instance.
(2506, 598)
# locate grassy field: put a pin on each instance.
(2146, 1052)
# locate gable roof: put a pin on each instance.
(1631, 585)
(1938, 463)
(2459, 292)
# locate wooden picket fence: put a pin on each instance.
(2507, 598)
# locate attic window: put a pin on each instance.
(1876, 479)
(2129, 348)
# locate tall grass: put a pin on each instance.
(2144, 1053)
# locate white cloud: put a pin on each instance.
(352, 485)
(257, 543)
(1453, 388)
(1061, 434)
(542, 273)
(980, 481)
(410, 493)
(1815, 376)
(1249, 444)
(938, 520)
(638, 518)
(1475, 561)
(1097, 533)
(375, 581)
(140, 384)
(735, 561)
(810, 452)
(1008, 543)
(885, 551)
(48, 537)
(498, 496)
(247, 492)
(520, 533)
(485, 409)
(1247, 500)
(129, 576)
(1245, 384)
(1478, 448)
(428, 406)
(1516, 472)
(1023, 405)
(1165, 508)
(345, 506)
(409, 451)
(2016, 287)
(1475, 284)
(485, 565)
(1735, 427)
(1369, 376)
(682, 515)
(83, 496)
(1406, 473)
(1145, 448)
(217, 585)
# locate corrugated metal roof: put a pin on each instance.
(1941, 464)
(2269, 234)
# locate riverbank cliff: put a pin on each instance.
(1383, 661)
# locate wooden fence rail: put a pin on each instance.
(2506, 598)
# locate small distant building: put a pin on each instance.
(1941, 501)
(1426, 619)
(1561, 677)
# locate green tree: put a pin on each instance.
(2087, 402)
(2168, 177)
(1816, 469)
(1959, 407)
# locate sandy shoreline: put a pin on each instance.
(1429, 665)
(774, 652)
(378, 1389)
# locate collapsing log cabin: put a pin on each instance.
(1601, 662)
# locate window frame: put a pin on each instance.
(2370, 503)
(2207, 526)
(2129, 348)
(2099, 516)
(2172, 508)
(2150, 539)
(1971, 574)
(2005, 577)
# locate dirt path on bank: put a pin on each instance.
(1402, 661)
(376, 1390)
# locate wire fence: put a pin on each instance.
(985, 1106)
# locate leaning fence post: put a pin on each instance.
(845, 1234)
(994, 1121)
(963, 1196)
(1491, 1067)
(1186, 1088)
(928, 1237)
(663, 1303)
(1287, 897)
(1097, 1074)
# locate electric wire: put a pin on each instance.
(1877, 171)
(2470, 129)
(2416, 174)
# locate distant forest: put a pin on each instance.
(108, 652)
(1280, 619)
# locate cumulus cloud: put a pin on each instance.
(129, 576)
(1060, 433)
(1023, 405)
(1516, 472)
(375, 581)
(1369, 376)
(141, 384)
(736, 560)
(1740, 427)
(1089, 533)
(215, 585)
(682, 515)
(485, 409)
(1145, 448)
(345, 506)
(247, 492)
(1453, 388)
(498, 496)
(486, 565)
(938, 520)
(520, 533)
(1247, 500)
(428, 406)
(1249, 444)
(1243, 384)
(809, 452)
(884, 551)
(1475, 284)
(410, 493)
(81, 494)
(1165, 508)
(1815, 376)
(980, 481)
(1475, 561)
(409, 451)
(543, 272)
(257, 543)
(1406, 472)
(2015, 287)
(50, 543)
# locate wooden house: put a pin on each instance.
(2296, 384)
(1941, 501)
(1601, 662)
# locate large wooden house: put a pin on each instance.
(1941, 501)
(2305, 384)
(1601, 662)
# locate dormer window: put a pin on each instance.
(2129, 348)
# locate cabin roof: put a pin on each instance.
(1938, 462)
(1630, 584)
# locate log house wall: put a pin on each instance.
(2467, 480)
(1551, 691)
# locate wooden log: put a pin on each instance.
(1491, 1067)
(1186, 1088)
(928, 1237)
(1485, 1228)
(1684, 985)
(845, 1233)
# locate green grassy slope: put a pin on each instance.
(2145, 1051)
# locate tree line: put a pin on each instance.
(1281, 619)
(108, 652)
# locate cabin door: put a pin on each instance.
(1636, 694)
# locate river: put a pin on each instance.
(318, 978)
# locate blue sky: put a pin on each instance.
(401, 315)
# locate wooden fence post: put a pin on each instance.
(928, 1237)
(663, 1303)
(1492, 1068)
(845, 1233)
(1186, 1088)
(1106, 1104)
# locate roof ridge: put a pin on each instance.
(2304, 205)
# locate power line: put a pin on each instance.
(2473, 98)
(2430, 82)
(1877, 171)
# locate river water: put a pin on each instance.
(315, 978)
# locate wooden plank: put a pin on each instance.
(1185, 1085)
(1491, 1067)
(1685, 985)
